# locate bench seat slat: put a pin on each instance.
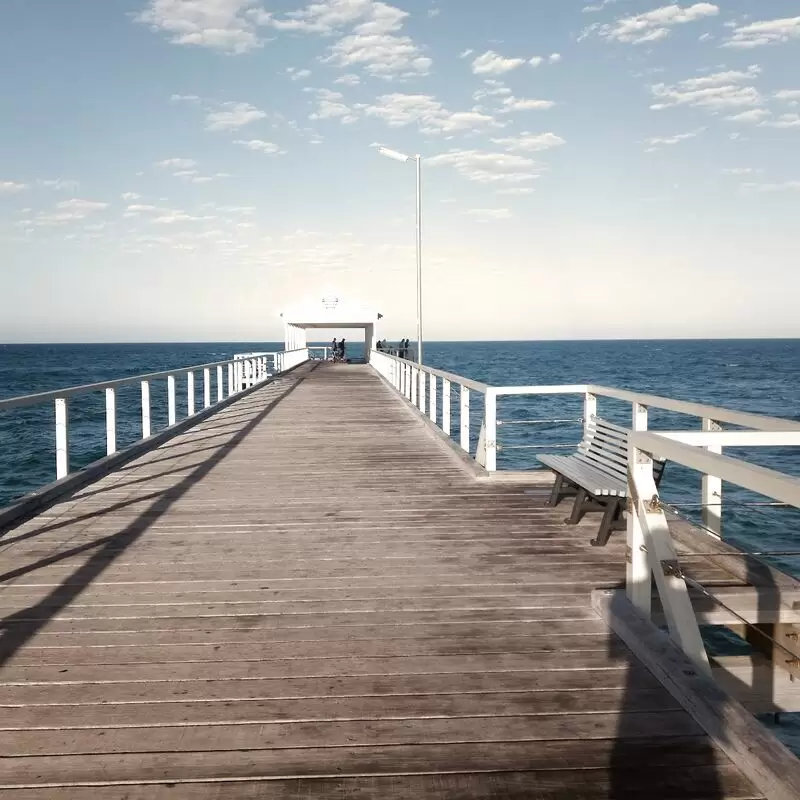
(595, 482)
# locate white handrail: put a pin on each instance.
(244, 371)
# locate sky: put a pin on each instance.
(184, 170)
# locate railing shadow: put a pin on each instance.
(21, 626)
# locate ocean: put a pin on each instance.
(750, 375)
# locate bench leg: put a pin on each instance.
(610, 517)
(555, 495)
(580, 508)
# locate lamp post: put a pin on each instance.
(385, 151)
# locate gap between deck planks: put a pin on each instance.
(308, 595)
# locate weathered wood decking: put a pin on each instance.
(308, 595)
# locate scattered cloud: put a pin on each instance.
(786, 186)
(554, 58)
(486, 214)
(466, 53)
(537, 61)
(740, 171)
(130, 196)
(759, 34)
(330, 106)
(512, 103)
(233, 116)
(490, 63)
(752, 115)
(12, 187)
(230, 26)
(598, 6)
(487, 167)
(784, 121)
(651, 26)
(716, 91)
(59, 184)
(349, 79)
(260, 146)
(655, 142)
(517, 190)
(791, 95)
(297, 74)
(81, 207)
(531, 142)
(184, 98)
(177, 163)
(399, 109)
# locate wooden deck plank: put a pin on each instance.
(307, 595)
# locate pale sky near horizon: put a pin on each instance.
(186, 169)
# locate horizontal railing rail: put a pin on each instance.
(220, 380)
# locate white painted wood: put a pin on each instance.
(146, 427)
(464, 418)
(62, 437)
(206, 387)
(446, 406)
(111, 421)
(421, 394)
(220, 386)
(638, 575)
(231, 380)
(480, 448)
(711, 485)
(432, 398)
(190, 394)
(761, 480)
(720, 439)
(589, 411)
(663, 561)
(490, 430)
(171, 401)
(414, 374)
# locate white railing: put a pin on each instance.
(221, 379)
(651, 551)
(318, 352)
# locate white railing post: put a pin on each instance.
(464, 418)
(172, 411)
(446, 406)
(490, 430)
(230, 379)
(638, 578)
(146, 410)
(190, 393)
(237, 375)
(406, 385)
(62, 437)
(414, 384)
(220, 388)
(111, 421)
(432, 398)
(206, 387)
(589, 411)
(422, 378)
(711, 493)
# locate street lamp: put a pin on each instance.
(385, 151)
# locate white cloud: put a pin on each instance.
(784, 121)
(490, 63)
(531, 142)
(716, 91)
(12, 187)
(81, 207)
(554, 58)
(330, 106)
(487, 167)
(517, 190)
(519, 104)
(434, 12)
(786, 186)
(652, 25)
(758, 34)
(375, 43)
(787, 94)
(184, 98)
(177, 163)
(598, 6)
(466, 53)
(752, 115)
(227, 25)
(298, 74)
(260, 146)
(399, 109)
(59, 183)
(486, 214)
(129, 196)
(658, 141)
(740, 171)
(233, 116)
(349, 79)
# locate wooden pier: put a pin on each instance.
(309, 594)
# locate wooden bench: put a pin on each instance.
(597, 476)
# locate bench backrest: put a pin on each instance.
(605, 447)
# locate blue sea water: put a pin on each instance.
(750, 375)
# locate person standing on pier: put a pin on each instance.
(342, 349)
(334, 349)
